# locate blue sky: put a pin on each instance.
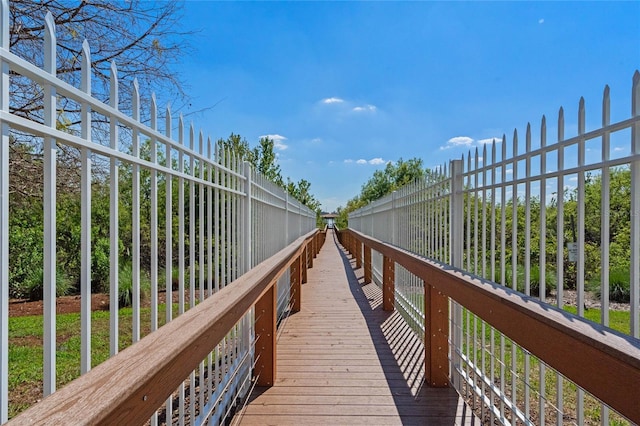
(344, 87)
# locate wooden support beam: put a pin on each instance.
(367, 264)
(358, 253)
(315, 244)
(436, 337)
(266, 314)
(304, 265)
(388, 284)
(295, 287)
(310, 256)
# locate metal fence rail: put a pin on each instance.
(186, 218)
(522, 220)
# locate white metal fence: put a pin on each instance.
(558, 221)
(183, 219)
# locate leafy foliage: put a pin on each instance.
(383, 182)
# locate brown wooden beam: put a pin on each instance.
(436, 337)
(388, 287)
(266, 315)
(295, 288)
(304, 265)
(358, 253)
(367, 264)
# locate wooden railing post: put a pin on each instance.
(388, 284)
(358, 253)
(295, 287)
(367, 264)
(310, 254)
(436, 337)
(304, 265)
(265, 369)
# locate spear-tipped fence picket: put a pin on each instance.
(482, 219)
(228, 219)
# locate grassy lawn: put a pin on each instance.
(25, 349)
(528, 369)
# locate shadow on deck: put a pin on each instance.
(343, 360)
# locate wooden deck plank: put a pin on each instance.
(343, 360)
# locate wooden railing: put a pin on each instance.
(601, 361)
(129, 387)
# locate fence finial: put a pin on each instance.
(543, 131)
(4, 24)
(606, 106)
(528, 138)
(192, 137)
(167, 125)
(49, 44)
(181, 129)
(561, 124)
(135, 100)
(635, 94)
(113, 95)
(581, 117)
(85, 84)
(154, 112)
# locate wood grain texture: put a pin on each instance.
(343, 360)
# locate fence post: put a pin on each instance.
(4, 220)
(358, 253)
(436, 337)
(635, 209)
(295, 287)
(265, 311)
(246, 225)
(456, 250)
(309, 250)
(388, 284)
(367, 264)
(247, 252)
(393, 235)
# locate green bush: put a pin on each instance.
(534, 281)
(619, 286)
(125, 285)
(32, 287)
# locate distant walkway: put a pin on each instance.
(342, 360)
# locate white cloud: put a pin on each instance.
(458, 141)
(489, 141)
(365, 108)
(541, 21)
(374, 161)
(332, 101)
(316, 140)
(509, 171)
(278, 143)
(618, 149)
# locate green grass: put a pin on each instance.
(26, 353)
(619, 320)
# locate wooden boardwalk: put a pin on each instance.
(343, 360)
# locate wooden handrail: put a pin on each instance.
(129, 387)
(602, 361)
